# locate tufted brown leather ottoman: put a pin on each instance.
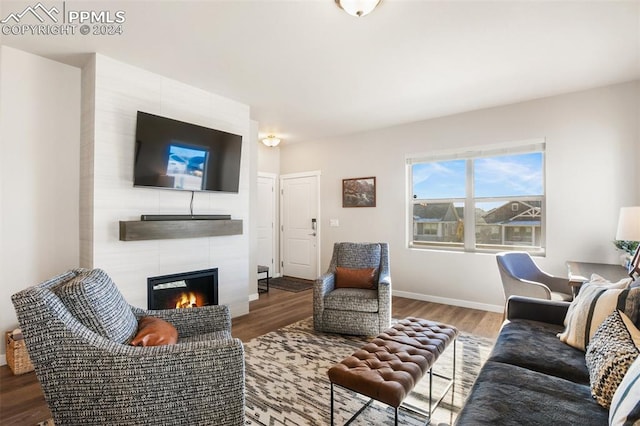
(388, 367)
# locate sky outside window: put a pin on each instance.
(503, 176)
(509, 175)
(442, 179)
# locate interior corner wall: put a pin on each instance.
(268, 159)
(115, 92)
(591, 151)
(636, 170)
(253, 222)
(269, 164)
(39, 177)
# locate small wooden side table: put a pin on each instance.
(580, 272)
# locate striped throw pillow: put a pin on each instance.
(592, 306)
(597, 280)
(625, 406)
(611, 351)
(97, 303)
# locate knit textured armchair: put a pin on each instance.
(91, 375)
(354, 311)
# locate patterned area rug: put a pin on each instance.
(287, 383)
(289, 284)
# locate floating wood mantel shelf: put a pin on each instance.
(139, 230)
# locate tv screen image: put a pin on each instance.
(186, 165)
(176, 155)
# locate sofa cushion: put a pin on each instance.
(95, 301)
(534, 345)
(505, 394)
(592, 306)
(625, 406)
(611, 351)
(352, 299)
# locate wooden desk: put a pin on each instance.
(580, 272)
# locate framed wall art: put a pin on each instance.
(359, 192)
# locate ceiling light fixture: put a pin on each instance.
(271, 140)
(358, 8)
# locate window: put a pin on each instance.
(486, 200)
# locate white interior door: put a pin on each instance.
(300, 222)
(267, 221)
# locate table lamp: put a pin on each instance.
(629, 230)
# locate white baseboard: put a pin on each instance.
(3, 359)
(447, 301)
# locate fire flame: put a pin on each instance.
(187, 300)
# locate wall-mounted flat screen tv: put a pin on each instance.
(177, 155)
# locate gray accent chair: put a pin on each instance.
(522, 277)
(354, 311)
(77, 329)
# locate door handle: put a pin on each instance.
(314, 234)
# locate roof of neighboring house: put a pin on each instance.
(425, 220)
(523, 223)
(526, 214)
(439, 212)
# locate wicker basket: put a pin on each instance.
(17, 356)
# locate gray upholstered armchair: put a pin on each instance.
(356, 311)
(77, 327)
(522, 277)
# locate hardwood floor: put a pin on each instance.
(22, 402)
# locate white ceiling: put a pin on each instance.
(310, 71)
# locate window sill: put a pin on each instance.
(533, 251)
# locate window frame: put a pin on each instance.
(469, 202)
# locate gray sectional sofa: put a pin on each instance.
(531, 377)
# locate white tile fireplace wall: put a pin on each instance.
(112, 93)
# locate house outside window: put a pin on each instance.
(501, 186)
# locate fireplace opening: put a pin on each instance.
(184, 290)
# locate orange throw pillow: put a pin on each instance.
(154, 331)
(355, 278)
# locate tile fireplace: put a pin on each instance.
(183, 290)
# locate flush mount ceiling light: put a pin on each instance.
(358, 8)
(271, 140)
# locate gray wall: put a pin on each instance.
(592, 142)
(40, 145)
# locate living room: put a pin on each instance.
(566, 73)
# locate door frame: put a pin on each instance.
(276, 221)
(316, 174)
